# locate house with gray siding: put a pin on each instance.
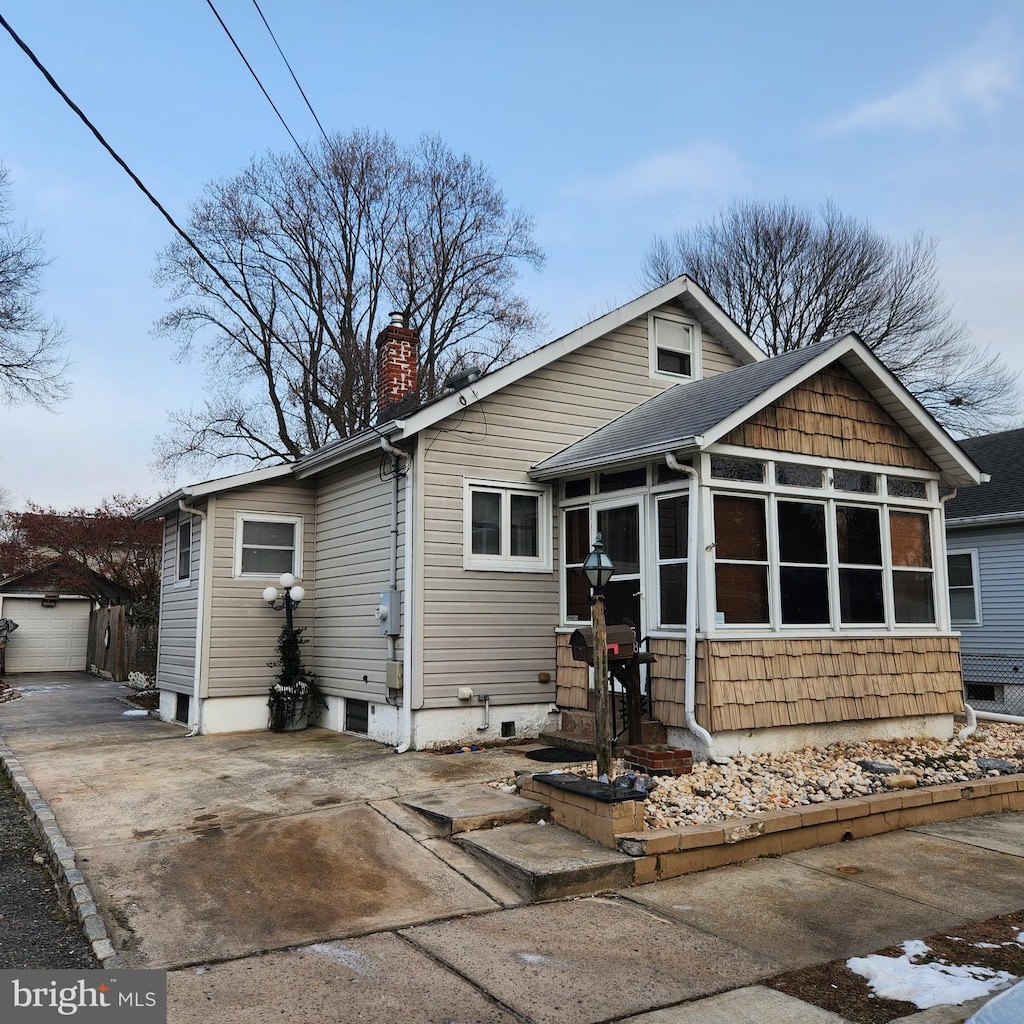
(776, 526)
(985, 550)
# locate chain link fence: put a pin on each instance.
(994, 682)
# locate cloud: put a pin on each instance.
(944, 95)
(702, 167)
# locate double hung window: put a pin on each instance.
(507, 527)
(185, 550)
(267, 544)
(963, 588)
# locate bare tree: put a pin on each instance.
(311, 256)
(791, 277)
(33, 360)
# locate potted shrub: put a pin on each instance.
(294, 696)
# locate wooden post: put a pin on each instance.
(602, 719)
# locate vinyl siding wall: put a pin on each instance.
(1001, 573)
(494, 631)
(242, 630)
(353, 566)
(176, 648)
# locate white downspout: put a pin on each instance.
(690, 683)
(406, 716)
(194, 724)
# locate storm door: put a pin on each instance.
(621, 527)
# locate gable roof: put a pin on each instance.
(697, 414)
(1002, 497)
(682, 291)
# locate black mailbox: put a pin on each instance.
(621, 644)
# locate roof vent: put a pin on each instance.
(457, 381)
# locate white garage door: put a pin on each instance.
(47, 639)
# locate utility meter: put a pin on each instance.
(387, 613)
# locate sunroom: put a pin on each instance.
(778, 540)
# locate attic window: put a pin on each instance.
(674, 343)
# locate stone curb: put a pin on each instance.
(62, 861)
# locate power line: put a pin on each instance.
(252, 72)
(118, 159)
(292, 73)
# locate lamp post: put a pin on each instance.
(598, 568)
(289, 600)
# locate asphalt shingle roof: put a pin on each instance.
(1002, 456)
(681, 412)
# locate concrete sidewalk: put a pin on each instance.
(278, 877)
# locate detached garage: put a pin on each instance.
(52, 634)
(53, 624)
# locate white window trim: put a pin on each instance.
(831, 499)
(179, 580)
(267, 517)
(652, 346)
(976, 587)
(505, 562)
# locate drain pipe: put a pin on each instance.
(690, 684)
(188, 510)
(486, 698)
(397, 455)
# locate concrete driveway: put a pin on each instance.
(277, 878)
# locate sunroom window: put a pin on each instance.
(672, 559)
(858, 533)
(741, 560)
(803, 563)
(912, 575)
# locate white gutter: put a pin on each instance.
(407, 623)
(690, 683)
(194, 724)
(996, 519)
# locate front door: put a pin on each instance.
(620, 524)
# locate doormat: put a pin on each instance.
(554, 754)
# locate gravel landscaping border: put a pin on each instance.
(62, 861)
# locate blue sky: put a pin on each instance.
(609, 123)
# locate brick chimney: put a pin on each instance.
(397, 356)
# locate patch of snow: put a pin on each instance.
(342, 954)
(929, 984)
(533, 958)
(1020, 937)
(138, 713)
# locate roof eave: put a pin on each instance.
(687, 444)
(992, 519)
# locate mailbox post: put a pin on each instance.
(598, 568)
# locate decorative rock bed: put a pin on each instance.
(779, 803)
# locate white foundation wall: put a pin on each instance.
(783, 738)
(382, 721)
(443, 727)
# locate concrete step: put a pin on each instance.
(546, 862)
(469, 808)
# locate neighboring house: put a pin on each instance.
(779, 519)
(53, 618)
(985, 541)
